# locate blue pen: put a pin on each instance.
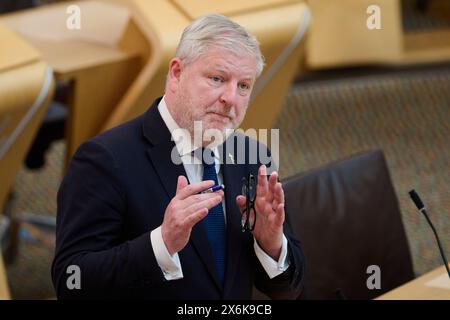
(214, 189)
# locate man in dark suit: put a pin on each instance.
(133, 218)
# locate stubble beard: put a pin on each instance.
(185, 119)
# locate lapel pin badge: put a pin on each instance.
(231, 158)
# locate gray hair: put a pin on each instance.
(215, 30)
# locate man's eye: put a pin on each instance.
(216, 79)
(244, 86)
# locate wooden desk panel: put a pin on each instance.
(197, 8)
(14, 51)
(68, 58)
(4, 289)
(418, 290)
(96, 92)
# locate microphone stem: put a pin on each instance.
(438, 241)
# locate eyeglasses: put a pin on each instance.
(249, 212)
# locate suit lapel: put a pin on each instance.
(160, 153)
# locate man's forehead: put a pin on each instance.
(226, 60)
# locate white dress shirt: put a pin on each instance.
(170, 265)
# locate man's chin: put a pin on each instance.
(218, 125)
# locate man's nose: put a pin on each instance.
(229, 94)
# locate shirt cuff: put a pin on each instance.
(170, 265)
(273, 268)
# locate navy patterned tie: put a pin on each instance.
(214, 222)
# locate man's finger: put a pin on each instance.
(196, 198)
(262, 186)
(194, 188)
(241, 202)
(278, 193)
(279, 219)
(207, 203)
(273, 179)
(201, 211)
(192, 219)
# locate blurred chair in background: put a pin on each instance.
(52, 127)
(26, 87)
(346, 216)
(93, 65)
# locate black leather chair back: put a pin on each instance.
(346, 215)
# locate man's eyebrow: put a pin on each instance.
(221, 68)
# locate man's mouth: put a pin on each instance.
(220, 115)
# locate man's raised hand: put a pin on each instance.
(185, 209)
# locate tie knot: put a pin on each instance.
(205, 155)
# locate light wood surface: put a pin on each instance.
(99, 73)
(421, 289)
(4, 288)
(197, 8)
(339, 36)
(71, 57)
(14, 51)
(426, 47)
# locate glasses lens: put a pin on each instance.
(249, 214)
(244, 221)
(252, 188)
(252, 218)
(244, 190)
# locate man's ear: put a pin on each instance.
(174, 74)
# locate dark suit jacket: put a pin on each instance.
(115, 192)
